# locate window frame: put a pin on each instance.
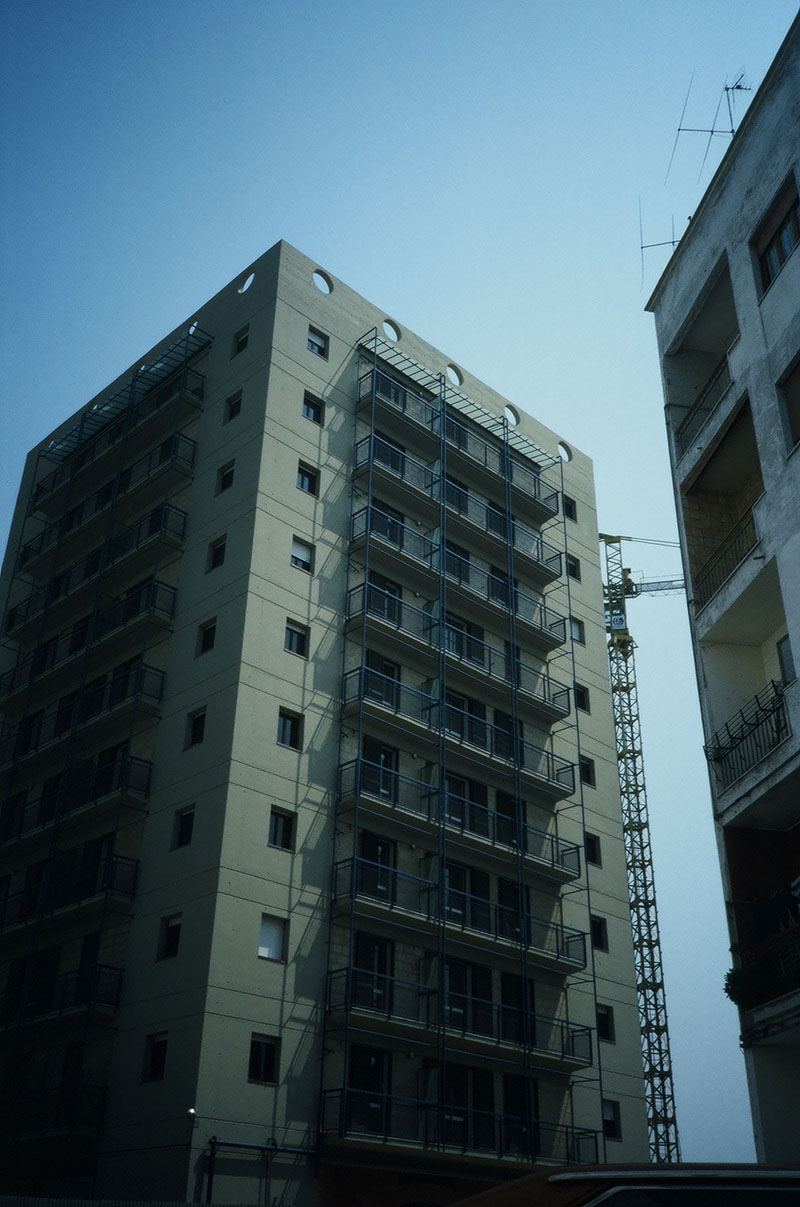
(266, 952)
(216, 553)
(573, 567)
(169, 936)
(307, 479)
(206, 637)
(225, 475)
(588, 771)
(259, 1045)
(770, 249)
(240, 340)
(232, 406)
(290, 729)
(184, 819)
(196, 727)
(280, 821)
(302, 633)
(598, 932)
(581, 697)
(570, 508)
(591, 842)
(313, 409)
(607, 1032)
(154, 1056)
(318, 342)
(612, 1119)
(295, 559)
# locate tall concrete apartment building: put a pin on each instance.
(727, 310)
(313, 881)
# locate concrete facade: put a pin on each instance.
(727, 312)
(295, 899)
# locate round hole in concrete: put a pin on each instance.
(564, 451)
(322, 281)
(391, 330)
(454, 375)
(247, 282)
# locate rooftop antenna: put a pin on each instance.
(643, 247)
(729, 92)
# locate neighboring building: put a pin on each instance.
(727, 311)
(308, 743)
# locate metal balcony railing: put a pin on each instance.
(114, 876)
(92, 988)
(150, 599)
(106, 422)
(767, 971)
(722, 563)
(138, 682)
(461, 725)
(706, 402)
(748, 737)
(474, 653)
(176, 450)
(388, 1117)
(366, 880)
(361, 989)
(466, 816)
(165, 520)
(81, 785)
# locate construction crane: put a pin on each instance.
(620, 586)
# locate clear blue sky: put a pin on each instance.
(476, 168)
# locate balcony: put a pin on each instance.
(548, 770)
(721, 565)
(366, 1115)
(379, 388)
(767, 971)
(706, 402)
(152, 392)
(489, 1023)
(175, 454)
(748, 737)
(164, 523)
(394, 892)
(151, 601)
(82, 785)
(87, 880)
(401, 793)
(138, 683)
(71, 1110)
(84, 989)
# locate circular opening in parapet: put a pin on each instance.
(322, 281)
(564, 451)
(193, 327)
(247, 282)
(512, 416)
(454, 375)
(391, 330)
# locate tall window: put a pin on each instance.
(281, 829)
(307, 478)
(233, 406)
(206, 636)
(196, 727)
(313, 409)
(605, 1023)
(779, 234)
(599, 932)
(183, 827)
(263, 1063)
(317, 342)
(216, 553)
(272, 938)
(302, 555)
(225, 477)
(295, 638)
(169, 936)
(154, 1060)
(612, 1121)
(240, 340)
(290, 729)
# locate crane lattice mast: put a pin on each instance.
(662, 1124)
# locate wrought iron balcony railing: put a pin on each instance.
(722, 563)
(377, 1115)
(360, 989)
(74, 1109)
(115, 876)
(94, 988)
(750, 735)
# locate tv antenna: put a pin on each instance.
(643, 247)
(729, 93)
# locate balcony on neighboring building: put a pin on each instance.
(71, 879)
(708, 399)
(741, 539)
(753, 732)
(390, 1118)
(75, 1110)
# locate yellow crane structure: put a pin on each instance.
(662, 1124)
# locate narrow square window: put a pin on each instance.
(154, 1060)
(169, 937)
(317, 342)
(225, 477)
(599, 932)
(313, 409)
(302, 555)
(296, 638)
(281, 829)
(577, 630)
(195, 727)
(263, 1064)
(290, 729)
(272, 938)
(307, 478)
(240, 340)
(573, 567)
(612, 1122)
(591, 844)
(785, 660)
(587, 771)
(183, 827)
(233, 406)
(582, 698)
(605, 1023)
(570, 508)
(206, 636)
(216, 553)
